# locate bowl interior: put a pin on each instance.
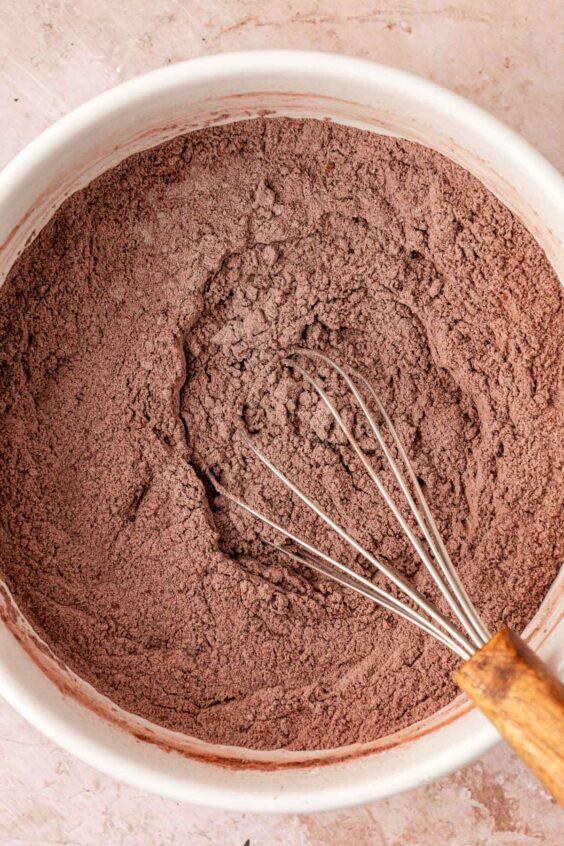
(96, 137)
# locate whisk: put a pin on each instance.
(503, 677)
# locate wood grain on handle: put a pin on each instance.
(524, 701)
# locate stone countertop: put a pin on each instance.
(508, 58)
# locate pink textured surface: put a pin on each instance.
(53, 55)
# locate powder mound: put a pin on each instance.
(152, 314)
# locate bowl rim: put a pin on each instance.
(126, 96)
(218, 65)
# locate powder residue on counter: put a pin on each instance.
(148, 321)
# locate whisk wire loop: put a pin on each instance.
(426, 616)
(456, 597)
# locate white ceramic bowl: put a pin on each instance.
(95, 137)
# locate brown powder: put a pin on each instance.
(152, 313)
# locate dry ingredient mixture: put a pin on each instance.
(151, 315)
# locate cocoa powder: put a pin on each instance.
(149, 319)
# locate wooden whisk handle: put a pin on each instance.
(524, 701)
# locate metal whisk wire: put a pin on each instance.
(458, 600)
(342, 574)
(428, 618)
